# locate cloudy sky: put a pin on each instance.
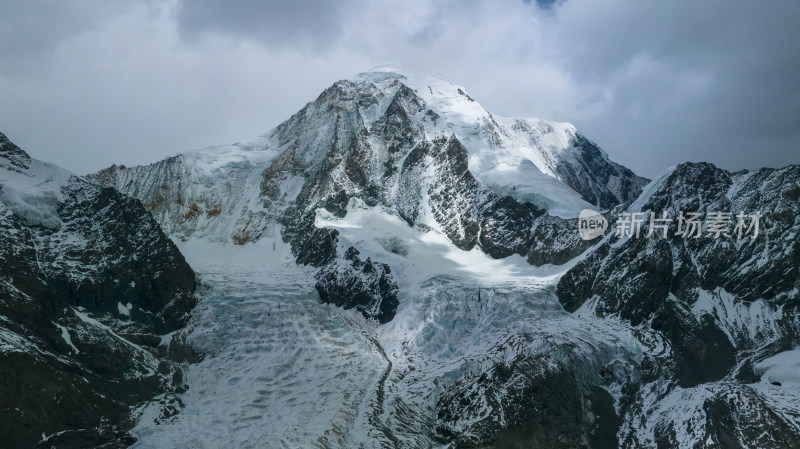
(88, 83)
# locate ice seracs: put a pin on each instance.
(33, 192)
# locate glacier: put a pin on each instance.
(283, 370)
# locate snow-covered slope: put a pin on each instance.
(456, 363)
(88, 286)
(546, 163)
(211, 193)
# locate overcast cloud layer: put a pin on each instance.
(88, 83)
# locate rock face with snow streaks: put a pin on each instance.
(722, 304)
(89, 284)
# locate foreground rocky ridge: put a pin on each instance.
(721, 305)
(89, 286)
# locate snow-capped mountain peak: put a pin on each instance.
(543, 162)
(422, 150)
(479, 308)
(374, 120)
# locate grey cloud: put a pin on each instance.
(745, 115)
(86, 84)
(32, 29)
(273, 23)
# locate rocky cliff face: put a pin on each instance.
(89, 291)
(721, 305)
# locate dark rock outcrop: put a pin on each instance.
(367, 286)
(721, 304)
(88, 286)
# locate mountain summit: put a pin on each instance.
(522, 157)
(422, 150)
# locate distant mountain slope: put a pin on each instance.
(90, 287)
(522, 157)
